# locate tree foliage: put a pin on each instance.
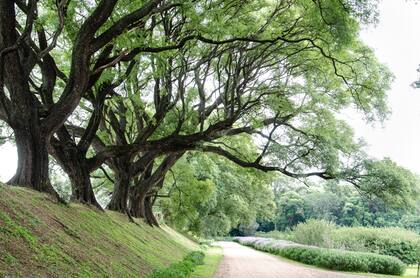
(124, 91)
(345, 206)
(211, 196)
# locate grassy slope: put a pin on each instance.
(40, 238)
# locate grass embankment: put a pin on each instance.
(214, 255)
(40, 238)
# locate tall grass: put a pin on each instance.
(315, 232)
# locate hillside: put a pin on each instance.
(40, 238)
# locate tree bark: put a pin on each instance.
(22, 115)
(74, 163)
(120, 194)
(141, 202)
(141, 205)
(121, 168)
(81, 185)
(32, 168)
(137, 201)
(148, 210)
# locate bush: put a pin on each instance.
(265, 244)
(196, 257)
(314, 232)
(400, 243)
(397, 242)
(344, 260)
(181, 269)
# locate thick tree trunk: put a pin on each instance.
(121, 168)
(120, 194)
(141, 205)
(137, 202)
(75, 165)
(32, 168)
(148, 209)
(81, 185)
(31, 142)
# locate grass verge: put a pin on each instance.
(181, 269)
(214, 255)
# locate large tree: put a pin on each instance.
(155, 79)
(32, 101)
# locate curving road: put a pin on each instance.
(244, 262)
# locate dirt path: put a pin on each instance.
(244, 262)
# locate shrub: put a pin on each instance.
(181, 269)
(401, 243)
(345, 260)
(265, 244)
(314, 232)
(397, 242)
(196, 257)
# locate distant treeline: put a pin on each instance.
(339, 204)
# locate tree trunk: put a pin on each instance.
(82, 190)
(141, 205)
(137, 202)
(32, 169)
(121, 168)
(120, 194)
(148, 209)
(31, 142)
(74, 163)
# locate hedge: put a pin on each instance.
(181, 269)
(396, 242)
(344, 260)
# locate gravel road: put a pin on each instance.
(243, 262)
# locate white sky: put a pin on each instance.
(397, 44)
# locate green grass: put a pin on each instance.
(40, 238)
(181, 269)
(214, 255)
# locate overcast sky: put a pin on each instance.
(396, 42)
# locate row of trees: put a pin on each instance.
(210, 196)
(342, 205)
(121, 90)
